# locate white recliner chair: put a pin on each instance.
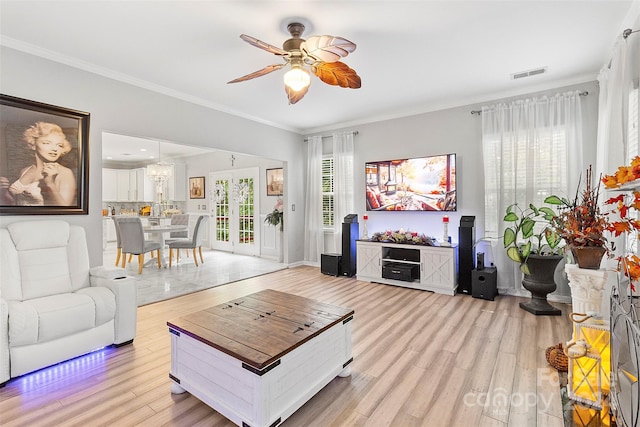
(53, 307)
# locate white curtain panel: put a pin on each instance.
(342, 181)
(314, 230)
(613, 104)
(532, 148)
(617, 80)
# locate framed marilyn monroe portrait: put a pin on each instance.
(44, 158)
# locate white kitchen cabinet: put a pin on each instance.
(123, 183)
(177, 184)
(134, 185)
(117, 185)
(127, 185)
(144, 190)
(109, 185)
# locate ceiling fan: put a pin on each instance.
(321, 54)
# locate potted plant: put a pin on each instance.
(532, 242)
(581, 224)
(276, 217)
(529, 233)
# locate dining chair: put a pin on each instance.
(179, 219)
(195, 242)
(133, 241)
(119, 245)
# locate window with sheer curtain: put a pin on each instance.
(531, 149)
(327, 193)
(523, 173)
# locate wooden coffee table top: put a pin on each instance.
(260, 328)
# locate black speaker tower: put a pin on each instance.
(466, 240)
(349, 236)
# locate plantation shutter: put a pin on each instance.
(327, 192)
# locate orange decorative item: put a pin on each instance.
(582, 225)
(626, 205)
(556, 357)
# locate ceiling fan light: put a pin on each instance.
(297, 78)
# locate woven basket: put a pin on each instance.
(556, 357)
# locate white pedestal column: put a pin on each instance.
(587, 290)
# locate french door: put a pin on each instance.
(234, 209)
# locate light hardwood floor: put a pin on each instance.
(420, 359)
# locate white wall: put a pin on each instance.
(219, 161)
(122, 108)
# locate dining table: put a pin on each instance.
(158, 234)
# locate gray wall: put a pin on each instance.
(453, 130)
(122, 108)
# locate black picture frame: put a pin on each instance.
(21, 157)
(196, 187)
(275, 182)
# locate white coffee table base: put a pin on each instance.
(249, 397)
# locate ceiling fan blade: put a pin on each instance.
(327, 48)
(266, 70)
(295, 95)
(265, 46)
(337, 74)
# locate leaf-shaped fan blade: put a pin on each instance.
(266, 70)
(295, 95)
(337, 74)
(265, 46)
(327, 48)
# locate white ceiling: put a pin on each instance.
(123, 149)
(413, 56)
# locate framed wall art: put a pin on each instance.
(44, 158)
(196, 187)
(275, 182)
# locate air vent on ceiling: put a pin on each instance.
(529, 73)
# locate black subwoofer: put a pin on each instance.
(485, 284)
(330, 264)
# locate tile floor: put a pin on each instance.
(218, 268)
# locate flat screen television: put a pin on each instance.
(418, 184)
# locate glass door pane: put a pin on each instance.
(221, 212)
(245, 181)
(235, 225)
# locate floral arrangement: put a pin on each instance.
(405, 237)
(276, 216)
(626, 205)
(580, 222)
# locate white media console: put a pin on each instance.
(433, 268)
